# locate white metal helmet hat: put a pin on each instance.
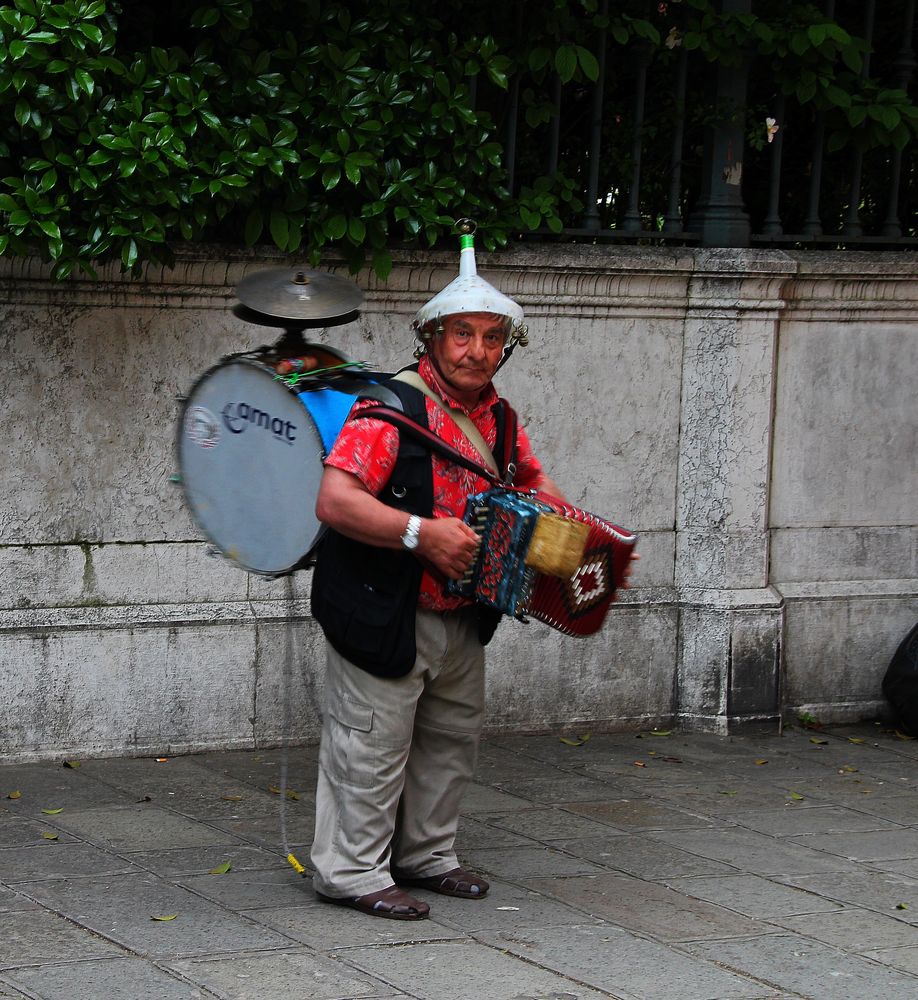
(470, 293)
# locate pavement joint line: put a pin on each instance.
(769, 984)
(572, 979)
(382, 945)
(89, 930)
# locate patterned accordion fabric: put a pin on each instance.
(499, 576)
(576, 605)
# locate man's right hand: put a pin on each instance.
(448, 544)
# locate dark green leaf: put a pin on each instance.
(279, 228)
(852, 59)
(335, 227)
(566, 62)
(837, 96)
(588, 63)
(817, 33)
(85, 81)
(129, 254)
(539, 57)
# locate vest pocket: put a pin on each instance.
(372, 625)
(363, 622)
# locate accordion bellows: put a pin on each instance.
(545, 559)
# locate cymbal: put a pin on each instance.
(263, 319)
(298, 293)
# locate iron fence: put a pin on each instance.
(666, 146)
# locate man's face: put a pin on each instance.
(468, 352)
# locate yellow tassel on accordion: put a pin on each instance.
(557, 545)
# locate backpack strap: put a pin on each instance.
(427, 438)
(505, 444)
(464, 423)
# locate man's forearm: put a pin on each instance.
(344, 504)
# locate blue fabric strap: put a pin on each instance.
(328, 409)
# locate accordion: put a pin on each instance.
(543, 558)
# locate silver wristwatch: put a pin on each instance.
(412, 532)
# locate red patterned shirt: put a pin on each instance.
(368, 449)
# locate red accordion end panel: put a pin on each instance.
(577, 605)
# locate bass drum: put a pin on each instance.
(250, 451)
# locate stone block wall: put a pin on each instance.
(750, 413)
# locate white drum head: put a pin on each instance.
(251, 463)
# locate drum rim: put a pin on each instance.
(302, 561)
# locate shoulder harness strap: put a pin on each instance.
(505, 443)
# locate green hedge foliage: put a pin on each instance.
(127, 128)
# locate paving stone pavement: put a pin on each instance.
(634, 866)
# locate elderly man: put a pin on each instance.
(405, 678)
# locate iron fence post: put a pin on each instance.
(720, 217)
(674, 223)
(631, 223)
(772, 225)
(904, 64)
(591, 216)
(852, 226)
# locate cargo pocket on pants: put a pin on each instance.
(353, 755)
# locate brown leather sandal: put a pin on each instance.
(457, 882)
(391, 903)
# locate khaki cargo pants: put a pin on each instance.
(395, 758)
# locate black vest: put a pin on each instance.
(364, 597)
